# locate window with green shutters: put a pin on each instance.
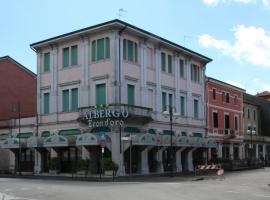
(66, 57)
(169, 64)
(131, 94)
(182, 106)
(181, 64)
(100, 49)
(170, 100)
(74, 55)
(163, 62)
(195, 73)
(74, 99)
(65, 102)
(101, 94)
(130, 51)
(164, 101)
(196, 108)
(94, 47)
(46, 62)
(46, 105)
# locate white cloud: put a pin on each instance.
(213, 3)
(251, 45)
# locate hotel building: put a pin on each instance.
(111, 85)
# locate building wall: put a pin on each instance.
(17, 86)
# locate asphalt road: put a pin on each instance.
(245, 185)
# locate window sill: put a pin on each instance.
(99, 61)
(69, 67)
(132, 63)
(167, 73)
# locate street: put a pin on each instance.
(243, 185)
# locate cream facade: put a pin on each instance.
(113, 66)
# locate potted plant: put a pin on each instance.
(53, 165)
(110, 167)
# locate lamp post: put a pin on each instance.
(171, 113)
(250, 133)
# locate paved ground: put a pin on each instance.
(245, 185)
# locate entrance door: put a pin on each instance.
(27, 160)
(68, 158)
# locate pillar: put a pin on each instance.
(12, 161)
(53, 153)
(220, 150)
(179, 167)
(38, 162)
(190, 166)
(160, 160)
(209, 154)
(231, 152)
(144, 161)
(85, 154)
(257, 150)
(264, 151)
(117, 156)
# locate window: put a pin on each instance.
(227, 123)
(46, 62)
(182, 72)
(214, 93)
(66, 57)
(248, 113)
(254, 114)
(131, 94)
(164, 101)
(130, 51)
(150, 58)
(70, 58)
(227, 98)
(223, 96)
(183, 105)
(74, 55)
(101, 94)
(195, 73)
(235, 100)
(215, 119)
(100, 49)
(46, 105)
(65, 102)
(196, 108)
(166, 64)
(70, 100)
(183, 133)
(170, 100)
(74, 99)
(235, 122)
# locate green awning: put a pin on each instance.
(130, 129)
(152, 131)
(45, 134)
(100, 129)
(167, 132)
(69, 132)
(24, 135)
(3, 136)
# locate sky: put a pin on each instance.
(234, 33)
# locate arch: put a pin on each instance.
(86, 139)
(56, 141)
(147, 140)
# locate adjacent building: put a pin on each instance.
(18, 100)
(105, 92)
(225, 119)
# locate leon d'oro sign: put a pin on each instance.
(105, 117)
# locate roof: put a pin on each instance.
(18, 64)
(124, 25)
(226, 84)
(264, 93)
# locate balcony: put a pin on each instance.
(138, 114)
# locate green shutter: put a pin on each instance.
(66, 57)
(182, 99)
(108, 48)
(164, 101)
(101, 94)
(181, 68)
(74, 55)
(170, 99)
(46, 103)
(100, 49)
(131, 94)
(65, 100)
(169, 64)
(196, 111)
(136, 52)
(46, 62)
(124, 49)
(74, 99)
(163, 62)
(130, 51)
(192, 73)
(94, 51)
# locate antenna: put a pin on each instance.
(121, 13)
(186, 37)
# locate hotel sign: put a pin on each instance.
(105, 116)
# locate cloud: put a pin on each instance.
(214, 3)
(251, 45)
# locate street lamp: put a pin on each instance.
(250, 133)
(171, 113)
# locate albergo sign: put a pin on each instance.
(105, 116)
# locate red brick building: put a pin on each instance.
(225, 118)
(17, 89)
